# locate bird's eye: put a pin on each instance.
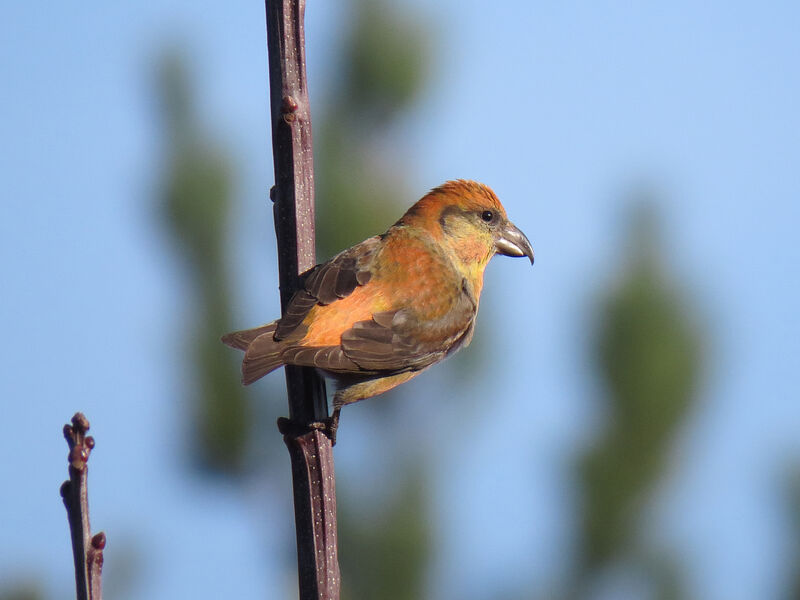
(487, 215)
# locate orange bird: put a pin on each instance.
(383, 311)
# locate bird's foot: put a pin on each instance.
(327, 426)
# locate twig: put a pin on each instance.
(310, 450)
(87, 551)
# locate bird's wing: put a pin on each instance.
(432, 309)
(327, 283)
(415, 309)
(403, 341)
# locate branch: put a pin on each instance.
(311, 452)
(87, 551)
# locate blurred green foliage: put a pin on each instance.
(793, 497)
(647, 354)
(385, 548)
(196, 199)
(22, 591)
(385, 62)
(382, 70)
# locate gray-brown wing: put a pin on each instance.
(328, 358)
(329, 282)
(399, 341)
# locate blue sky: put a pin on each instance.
(560, 107)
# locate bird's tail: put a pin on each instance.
(262, 353)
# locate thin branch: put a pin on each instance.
(311, 452)
(87, 551)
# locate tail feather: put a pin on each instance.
(242, 339)
(262, 352)
(255, 367)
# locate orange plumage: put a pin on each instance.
(379, 313)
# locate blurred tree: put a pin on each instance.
(22, 591)
(648, 357)
(386, 547)
(383, 69)
(793, 592)
(196, 198)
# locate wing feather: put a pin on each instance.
(328, 358)
(398, 341)
(327, 283)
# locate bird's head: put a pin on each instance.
(468, 219)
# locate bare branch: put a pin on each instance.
(87, 551)
(310, 450)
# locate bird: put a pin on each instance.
(379, 313)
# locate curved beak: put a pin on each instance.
(512, 242)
